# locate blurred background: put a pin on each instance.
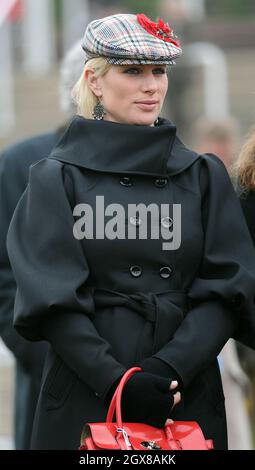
(214, 80)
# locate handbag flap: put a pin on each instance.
(145, 437)
(103, 435)
(189, 435)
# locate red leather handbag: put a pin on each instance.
(179, 435)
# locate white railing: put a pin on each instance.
(7, 115)
(213, 61)
(38, 38)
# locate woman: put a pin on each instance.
(106, 292)
(244, 176)
(244, 172)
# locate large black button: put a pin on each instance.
(165, 272)
(135, 271)
(161, 182)
(135, 221)
(126, 181)
(166, 222)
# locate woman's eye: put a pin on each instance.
(159, 71)
(133, 70)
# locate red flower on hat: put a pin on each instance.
(161, 30)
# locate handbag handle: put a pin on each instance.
(115, 404)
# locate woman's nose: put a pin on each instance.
(149, 83)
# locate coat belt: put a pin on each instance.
(155, 308)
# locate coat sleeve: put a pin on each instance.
(12, 185)
(222, 293)
(53, 301)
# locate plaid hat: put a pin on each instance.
(125, 39)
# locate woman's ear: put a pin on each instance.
(93, 82)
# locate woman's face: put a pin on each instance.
(133, 94)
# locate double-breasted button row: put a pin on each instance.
(166, 222)
(165, 271)
(158, 182)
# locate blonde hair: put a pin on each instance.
(244, 169)
(82, 95)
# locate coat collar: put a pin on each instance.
(123, 148)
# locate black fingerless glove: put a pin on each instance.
(155, 366)
(147, 398)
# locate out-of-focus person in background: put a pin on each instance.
(222, 138)
(244, 173)
(14, 172)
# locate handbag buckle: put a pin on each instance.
(150, 445)
(125, 435)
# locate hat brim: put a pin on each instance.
(116, 61)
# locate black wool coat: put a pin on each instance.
(104, 304)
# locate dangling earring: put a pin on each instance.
(98, 111)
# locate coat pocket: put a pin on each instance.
(58, 384)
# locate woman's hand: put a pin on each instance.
(177, 398)
(149, 399)
(177, 395)
(154, 365)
